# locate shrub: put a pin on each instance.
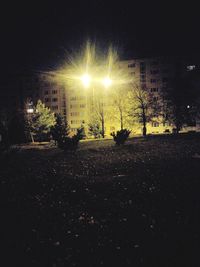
(60, 130)
(94, 130)
(121, 136)
(81, 132)
(70, 143)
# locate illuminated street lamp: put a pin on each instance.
(86, 80)
(107, 82)
(30, 110)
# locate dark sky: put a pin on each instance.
(37, 35)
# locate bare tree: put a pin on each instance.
(121, 106)
(143, 107)
(99, 113)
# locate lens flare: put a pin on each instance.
(107, 82)
(86, 79)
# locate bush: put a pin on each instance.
(121, 136)
(60, 130)
(70, 143)
(81, 132)
(174, 130)
(94, 130)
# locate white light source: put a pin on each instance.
(188, 106)
(191, 67)
(30, 110)
(107, 82)
(86, 79)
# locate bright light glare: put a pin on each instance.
(107, 82)
(86, 79)
(30, 110)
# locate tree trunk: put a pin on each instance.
(144, 130)
(32, 139)
(121, 120)
(103, 130)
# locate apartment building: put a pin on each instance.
(80, 105)
(155, 75)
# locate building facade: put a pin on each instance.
(82, 106)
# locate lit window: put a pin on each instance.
(190, 67)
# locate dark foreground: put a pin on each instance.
(137, 205)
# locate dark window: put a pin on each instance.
(142, 78)
(155, 124)
(154, 63)
(54, 92)
(82, 105)
(74, 113)
(132, 65)
(54, 99)
(142, 67)
(54, 107)
(154, 89)
(154, 71)
(165, 79)
(165, 71)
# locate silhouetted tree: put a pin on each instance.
(60, 130)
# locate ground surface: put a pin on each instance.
(136, 205)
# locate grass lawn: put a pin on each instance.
(103, 205)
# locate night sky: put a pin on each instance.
(37, 36)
